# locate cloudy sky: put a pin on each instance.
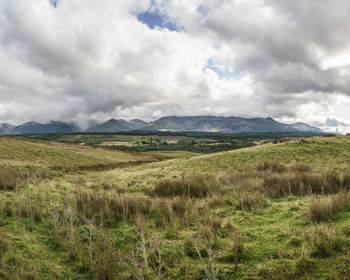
(77, 60)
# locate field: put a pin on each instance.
(269, 211)
(147, 141)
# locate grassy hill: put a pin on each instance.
(275, 211)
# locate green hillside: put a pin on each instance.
(275, 211)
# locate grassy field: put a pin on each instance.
(165, 141)
(273, 211)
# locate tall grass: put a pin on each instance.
(271, 166)
(195, 186)
(9, 179)
(325, 242)
(301, 184)
(321, 210)
(111, 207)
(4, 244)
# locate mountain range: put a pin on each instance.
(171, 123)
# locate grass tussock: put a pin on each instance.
(4, 244)
(112, 207)
(321, 210)
(194, 187)
(302, 168)
(250, 201)
(271, 166)
(301, 184)
(326, 242)
(9, 179)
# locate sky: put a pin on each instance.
(83, 60)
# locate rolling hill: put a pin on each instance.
(274, 211)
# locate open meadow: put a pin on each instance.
(272, 211)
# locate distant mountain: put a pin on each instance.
(201, 123)
(6, 128)
(34, 127)
(226, 124)
(118, 125)
(138, 123)
(305, 127)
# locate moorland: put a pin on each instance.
(270, 210)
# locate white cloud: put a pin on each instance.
(89, 59)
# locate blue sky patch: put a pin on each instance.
(203, 10)
(53, 3)
(224, 71)
(154, 19)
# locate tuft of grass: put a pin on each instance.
(9, 179)
(251, 200)
(321, 210)
(271, 166)
(195, 186)
(302, 168)
(325, 242)
(4, 244)
(301, 184)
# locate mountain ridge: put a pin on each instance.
(227, 124)
(168, 123)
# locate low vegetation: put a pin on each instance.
(275, 211)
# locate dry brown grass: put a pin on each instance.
(251, 200)
(321, 210)
(4, 244)
(271, 166)
(302, 184)
(195, 186)
(9, 179)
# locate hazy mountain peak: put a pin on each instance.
(171, 123)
